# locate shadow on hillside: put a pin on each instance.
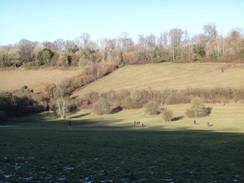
(116, 110)
(82, 115)
(177, 118)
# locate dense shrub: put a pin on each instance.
(82, 104)
(44, 57)
(167, 114)
(151, 108)
(19, 105)
(116, 98)
(66, 87)
(91, 96)
(101, 107)
(155, 96)
(127, 103)
(178, 98)
(51, 90)
(89, 70)
(197, 109)
(67, 60)
(216, 95)
(139, 98)
(98, 70)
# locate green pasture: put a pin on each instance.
(170, 76)
(108, 148)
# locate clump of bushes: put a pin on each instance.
(151, 108)
(44, 57)
(178, 98)
(116, 98)
(19, 104)
(197, 109)
(135, 100)
(101, 107)
(91, 96)
(167, 114)
(216, 95)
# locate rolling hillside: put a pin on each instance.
(170, 76)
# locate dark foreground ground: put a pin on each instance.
(51, 153)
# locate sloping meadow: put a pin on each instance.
(170, 76)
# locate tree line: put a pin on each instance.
(174, 45)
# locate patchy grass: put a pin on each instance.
(170, 76)
(108, 148)
(35, 79)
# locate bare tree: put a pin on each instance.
(48, 45)
(163, 40)
(125, 42)
(62, 108)
(59, 44)
(175, 36)
(86, 37)
(210, 31)
(142, 42)
(26, 48)
(71, 46)
(151, 42)
(235, 42)
(83, 40)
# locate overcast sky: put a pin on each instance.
(48, 20)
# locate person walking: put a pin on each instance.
(69, 125)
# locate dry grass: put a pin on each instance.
(170, 76)
(35, 79)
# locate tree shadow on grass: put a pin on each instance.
(82, 115)
(177, 118)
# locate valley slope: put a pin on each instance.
(170, 76)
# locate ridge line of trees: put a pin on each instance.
(173, 46)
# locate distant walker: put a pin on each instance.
(69, 125)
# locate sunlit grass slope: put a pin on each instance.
(170, 76)
(35, 79)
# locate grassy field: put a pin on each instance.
(108, 148)
(35, 79)
(170, 76)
